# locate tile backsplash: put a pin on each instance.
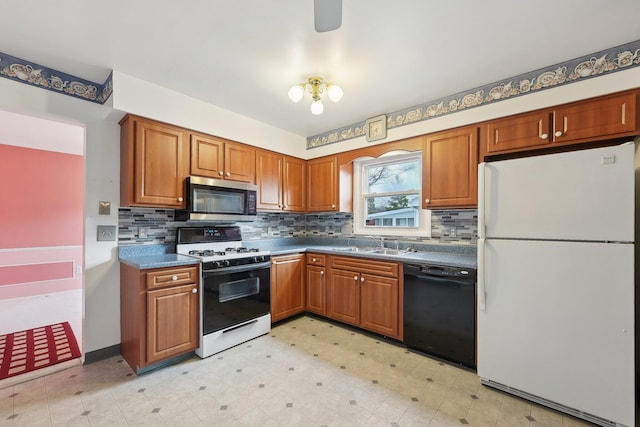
(455, 226)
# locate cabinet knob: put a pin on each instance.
(174, 278)
(322, 272)
(333, 206)
(313, 260)
(194, 290)
(544, 136)
(558, 133)
(355, 278)
(228, 173)
(180, 199)
(362, 279)
(427, 201)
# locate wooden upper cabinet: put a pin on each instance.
(207, 156)
(522, 131)
(602, 118)
(450, 169)
(218, 158)
(322, 184)
(154, 163)
(268, 179)
(607, 117)
(281, 182)
(294, 183)
(239, 162)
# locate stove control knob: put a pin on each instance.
(258, 259)
(221, 263)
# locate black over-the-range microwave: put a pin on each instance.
(209, 199)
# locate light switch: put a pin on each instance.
(106, 233)
(104, 208)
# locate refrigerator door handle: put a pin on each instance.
(481, 200)
(482, 296)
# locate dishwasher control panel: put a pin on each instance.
(439, 270)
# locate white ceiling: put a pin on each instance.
(243, 55)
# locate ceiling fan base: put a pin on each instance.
(327, 15)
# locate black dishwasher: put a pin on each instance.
(439, 311)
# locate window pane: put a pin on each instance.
(402, 176)
(392, 211)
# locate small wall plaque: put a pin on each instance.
(376, 128)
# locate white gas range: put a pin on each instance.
(235, 286)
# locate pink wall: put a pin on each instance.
(41, 221)
(41, 202)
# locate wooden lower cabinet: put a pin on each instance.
(159, 314)
(287, 286)
(316, 284)
(379, 304)
(343, 296)
(365, 293)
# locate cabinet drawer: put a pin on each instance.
(380, 268)
(171, 277)
(317, 259)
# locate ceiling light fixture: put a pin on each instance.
(315, 86)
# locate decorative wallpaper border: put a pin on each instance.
(597, 64)
(33, 74)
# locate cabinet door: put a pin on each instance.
(207, 156)
(239, 162)
(287, 286)
(268, 179)
(161, 165)
(592, 120)
(450, 169)
(343, 296)
(518, 132)
(294, 184)
(379, 304)
(322, 184)
(172, 322)
(316, 289)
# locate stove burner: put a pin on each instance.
(206, 252)
(242, 250)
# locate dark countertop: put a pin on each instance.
(145, 262)
(158, 256)
(144, 257)
(439, 258)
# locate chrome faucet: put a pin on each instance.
(379, 241)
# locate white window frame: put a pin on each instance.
(359, 165)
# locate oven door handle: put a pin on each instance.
(236, 269)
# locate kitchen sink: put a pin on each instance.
(384, 251)
(349, 249)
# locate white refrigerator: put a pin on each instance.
(556, 281)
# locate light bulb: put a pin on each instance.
(334, 92)
(296, 93)
(317, 107)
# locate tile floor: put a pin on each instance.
(306, 372)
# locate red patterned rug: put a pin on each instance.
(26, 351)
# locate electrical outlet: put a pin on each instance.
(106, 233)
(143, 232)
